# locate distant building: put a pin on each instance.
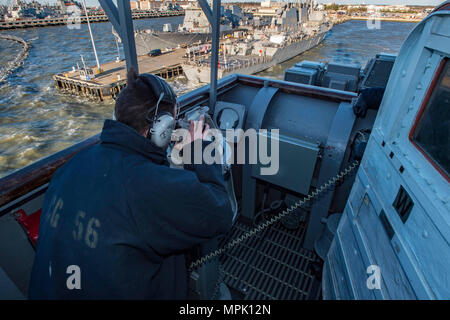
(145, 5)
(317, 16)
(266, 4)
(134, 5)
(64, 4)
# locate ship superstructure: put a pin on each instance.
(194, 30)
(295, 29)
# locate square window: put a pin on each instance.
(431, 132)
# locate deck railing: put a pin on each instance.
(35, 175)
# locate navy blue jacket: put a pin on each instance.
(121, 215)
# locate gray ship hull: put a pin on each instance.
(161, 40)
(202, 74)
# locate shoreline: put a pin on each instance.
(343, 20)
(43, 23)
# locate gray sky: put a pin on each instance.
(410, 2)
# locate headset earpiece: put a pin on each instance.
(161, 127)
(160, 131)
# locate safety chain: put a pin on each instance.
(196, 264)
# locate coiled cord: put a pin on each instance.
(330, 183)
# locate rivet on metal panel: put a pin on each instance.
(425, 234)
(428, 64)
(403, 73)
(397, 278)
(388, 176)
(419, 86)
(366, 200)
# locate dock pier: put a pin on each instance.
(35, 23)
(108, 84)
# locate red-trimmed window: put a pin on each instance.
(431, 130)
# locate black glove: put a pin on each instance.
(369, 98)
(358, 151)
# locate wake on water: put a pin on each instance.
(11, 66)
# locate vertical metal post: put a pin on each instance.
(215, 30)
(122, 21)
(127, 34)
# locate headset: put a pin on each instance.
(162, 124)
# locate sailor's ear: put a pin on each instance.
(131, 78)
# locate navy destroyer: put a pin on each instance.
(295, 29)
(194, 30)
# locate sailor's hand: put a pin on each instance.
(359, 107)
(197, 130)
(369, 98)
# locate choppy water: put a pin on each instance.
(36, 120)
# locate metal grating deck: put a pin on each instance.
(270, 265)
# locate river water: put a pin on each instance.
(37, 121)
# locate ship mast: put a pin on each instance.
(214, 19)
(92, 38)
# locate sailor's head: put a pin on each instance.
(144, 95)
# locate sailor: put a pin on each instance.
(117, 220)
